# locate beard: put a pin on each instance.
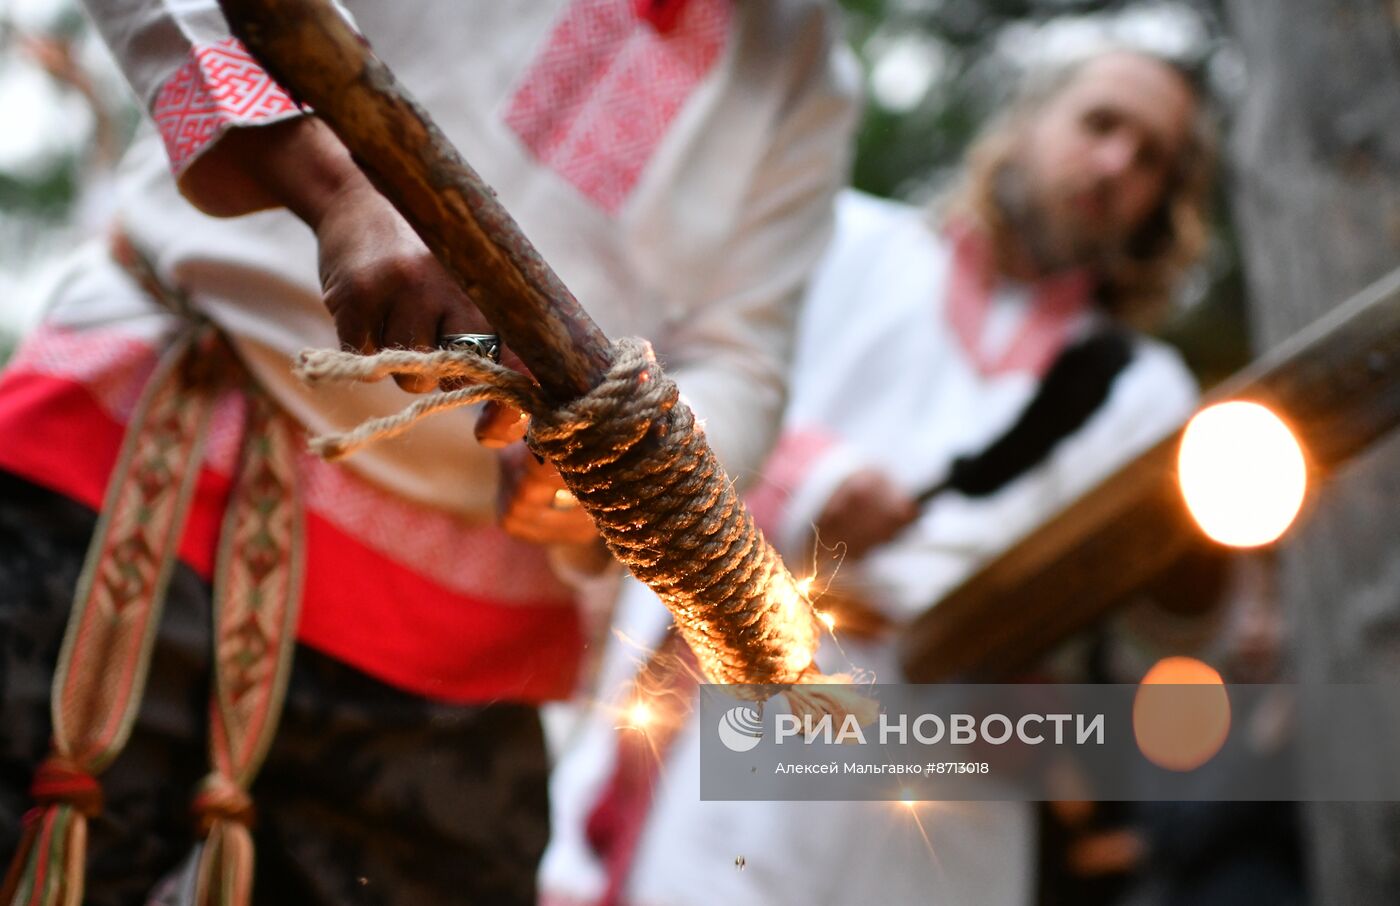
(1053, 241)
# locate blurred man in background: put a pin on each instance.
(958, 379)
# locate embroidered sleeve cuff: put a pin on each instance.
(219, 87)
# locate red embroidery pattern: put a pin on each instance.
(792, 459)
(661, 14)
(430, 619)
(257, 603)
(112, 364)
(119, 595)
(468, 559)
(1056, 303)
(114, 367)
(106, 651)
(596, 102)
(220, 86)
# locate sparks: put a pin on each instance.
(639, 715)
(911, 805)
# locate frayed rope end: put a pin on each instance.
(818, 695)
(328, 447)
(317, 366)
(486, 381)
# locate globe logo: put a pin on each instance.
(740, 728)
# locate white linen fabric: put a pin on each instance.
(705, 255)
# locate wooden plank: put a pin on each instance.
(1337, 384)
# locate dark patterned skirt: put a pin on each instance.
(368, 795)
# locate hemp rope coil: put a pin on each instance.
(631, 453)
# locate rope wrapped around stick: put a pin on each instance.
(631, 453)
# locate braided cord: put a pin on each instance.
(631, 452)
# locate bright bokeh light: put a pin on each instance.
(1181, 714)
(639, 715)
(1242, 473)
(827, 618)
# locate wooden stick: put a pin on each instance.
(1337, 384)
(316, 56)
(743, 609)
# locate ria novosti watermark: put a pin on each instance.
(1108, 742)
(932, 729)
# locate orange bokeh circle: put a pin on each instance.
(1181, 714)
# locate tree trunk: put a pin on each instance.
(1316, 156)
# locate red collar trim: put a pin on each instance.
(1056, 303)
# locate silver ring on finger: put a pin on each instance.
(485, 345)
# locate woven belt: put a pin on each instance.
(111, 632)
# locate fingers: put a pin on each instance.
(382, 287)
(420, 299)
(500, 425)
(904, 508)
(512, 361)
(400, 305)
(585, 559)
(463, 318)
(540, 525)
(868, 509)
(535, 506)
(357, 325)
(456, 321)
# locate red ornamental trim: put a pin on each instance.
(257, 594)
(600, 97)
(796, 452)
(375, 599)
(102, 668)
(219, 87)
(1056, 303)
(43, 879)
(471, 559)
(663, 15)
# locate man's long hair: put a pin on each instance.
(1136, 282)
